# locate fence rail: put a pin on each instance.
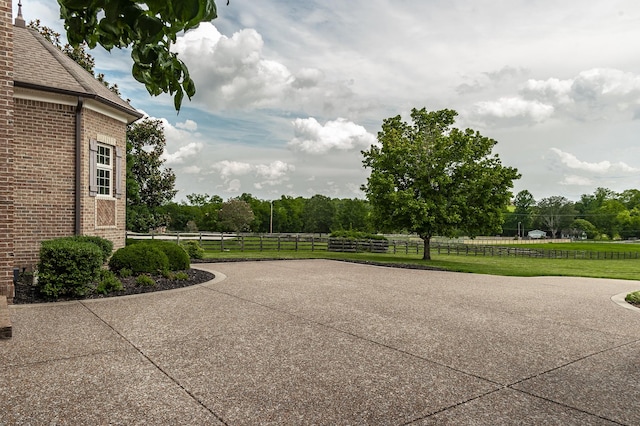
(306, 242)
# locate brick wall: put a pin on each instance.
(6, 151)
(106, 130)
(45, 177)
(44, 168)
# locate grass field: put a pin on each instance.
(628, 269)
(588, 246)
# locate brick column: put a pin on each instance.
(6, 151)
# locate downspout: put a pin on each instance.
(78, 203)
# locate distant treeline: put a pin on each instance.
(602, 215)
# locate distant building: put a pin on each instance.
(536, 234)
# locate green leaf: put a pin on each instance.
(189, 87)
(177, 99)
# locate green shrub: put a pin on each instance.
(108, 283)
(105, 246)
(181, 276)
(145, 281)
(125, 273)
(633, 297)
(178, 257)
(193, 249)
(356, 235)
(68, 267)
(139, 259)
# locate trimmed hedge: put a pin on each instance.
(177, 255)
(105, 246)
(357, 235)
(68, 267)
(193, 249)
(139, 259)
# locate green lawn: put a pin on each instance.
(499, 265)
(586, 246)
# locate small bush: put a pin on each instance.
(139, 259)
(145, 281)
(105, 246)
(633, 297)
(177, 256)
(168, 274)
(108, 283)
(125, 273)
(193, 249)
(356, 235)
(181, 276)
(68, 267)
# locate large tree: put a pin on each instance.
(149, 27)
(555, 214)
(235, 216)
(433, 179)
(318, 214)
(149, 184)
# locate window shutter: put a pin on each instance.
(118, 172)
(93, 169)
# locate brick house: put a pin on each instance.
(62, 149)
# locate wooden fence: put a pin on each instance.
(307, 242)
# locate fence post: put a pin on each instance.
(312, 244)
(242, 243)
(406, 247)
(278, 242)
(297, 239)
(200, 238)
(178, 238)
(260, 242)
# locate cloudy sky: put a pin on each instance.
(290, 92)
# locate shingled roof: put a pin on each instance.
(40, 65)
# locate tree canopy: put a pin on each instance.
(149, 184)
(149, 27)
(430, 178)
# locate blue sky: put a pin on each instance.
(289, 92)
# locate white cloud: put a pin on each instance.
(576, 180)
(189, 125)
(601, 167)
(271, 174)
(183, 153)
(231, 72)
(192, 170)
(342, 135)
(550, 90)
(514, 107)
(274, 172)
(233, 186)
(597, 93)
(227, 168)
(182, 141)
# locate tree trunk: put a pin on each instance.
(427, 248)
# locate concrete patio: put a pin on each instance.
(326, 342)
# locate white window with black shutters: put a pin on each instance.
(104, 169)
(105, 165)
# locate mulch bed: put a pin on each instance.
(26, 293)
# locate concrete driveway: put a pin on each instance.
(332, 343)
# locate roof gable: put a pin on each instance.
(40, 65)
